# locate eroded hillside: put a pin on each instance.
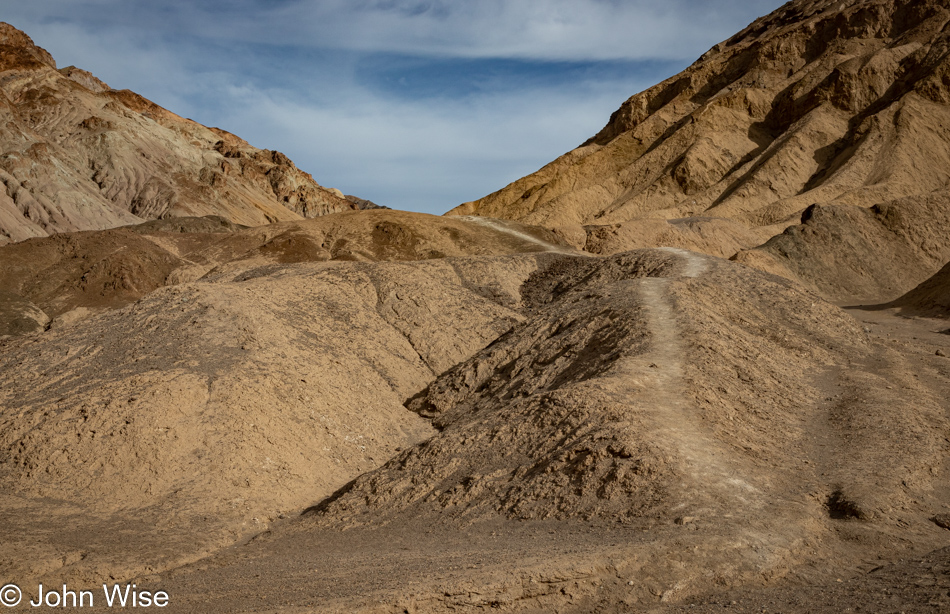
(840, 104)
(78, 155)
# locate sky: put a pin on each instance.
(414, 104)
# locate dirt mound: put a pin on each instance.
(931, 298)
(821, 102)
(662, 387)
(85, 272)
(211, 409)
(77, 155)
(856, 254)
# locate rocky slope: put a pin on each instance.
(931, 298)
(654, 384)
(660, 425)
(821, 102)
(78, 155)
(852, 254)
(739, 421)
(69, 276)
(206, 410)
(296, 347)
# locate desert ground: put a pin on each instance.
(700, 363)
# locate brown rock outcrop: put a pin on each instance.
(821, 102)
(91, 271)
(77, 155)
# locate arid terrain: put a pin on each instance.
(699, 364)
(78, 155)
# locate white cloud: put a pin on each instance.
(425, 155)
(262, 71)
(531, 29)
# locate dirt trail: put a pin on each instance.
(659, 380)
(656, 377)
(523, 236)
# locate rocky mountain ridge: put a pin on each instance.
(383, 411)
(78, 155)
(839, 104)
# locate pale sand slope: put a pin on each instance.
(661, 424)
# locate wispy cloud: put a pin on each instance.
(527, 29)
(533, 29)
(417, 104)
(425, 155)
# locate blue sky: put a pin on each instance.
(414, 104)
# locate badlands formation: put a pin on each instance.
(698, 364)
(815, 141)
(78, 155)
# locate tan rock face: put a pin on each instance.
(234, 401)
(820, 102)
(932, 297)
(77, 155)
(100, 270)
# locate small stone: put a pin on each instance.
(684, 520)
(941, 353)
(941, 520)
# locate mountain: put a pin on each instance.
(839, 104)
(378, 411)
(78, 155)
